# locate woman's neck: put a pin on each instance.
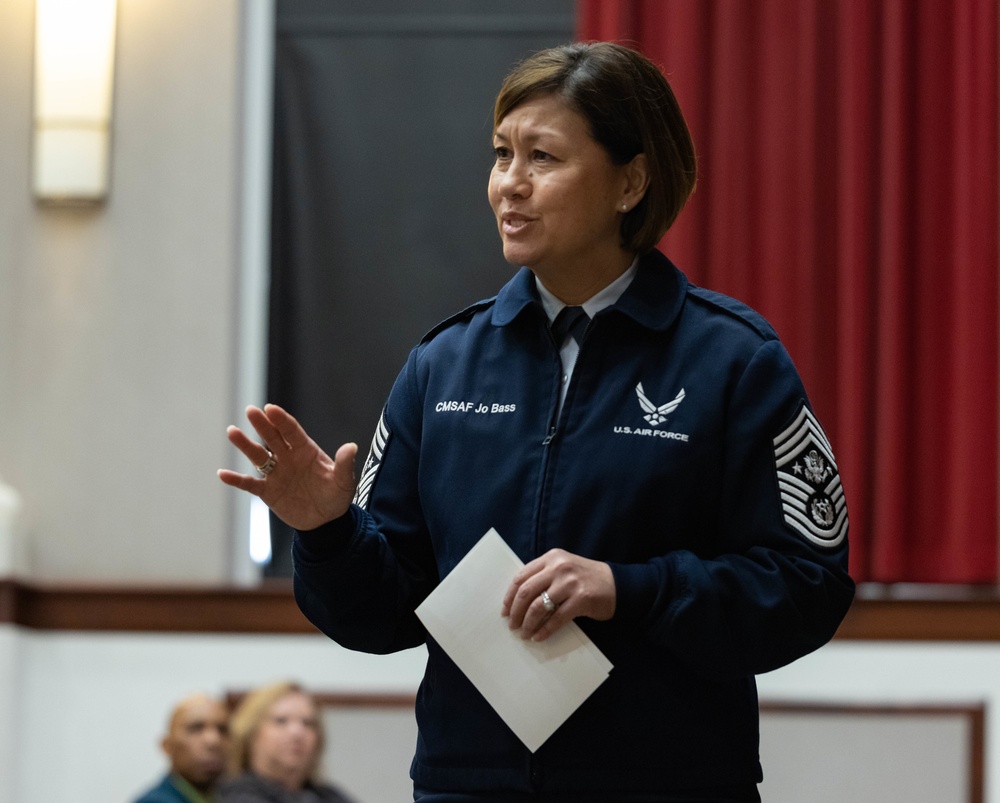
(575, 286)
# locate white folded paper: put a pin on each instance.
(534, 686)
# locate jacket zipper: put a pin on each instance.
(544, 474)
(557, 412)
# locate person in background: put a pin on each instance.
(645, 446)
(196, 743)
(277, 742)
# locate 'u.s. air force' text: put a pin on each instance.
(473, 407)
(653, 433)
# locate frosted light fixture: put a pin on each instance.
(74, 77)
(260, 531)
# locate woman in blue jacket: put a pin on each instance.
(645, 446)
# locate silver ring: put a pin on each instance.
(547, 602)
(268, 465)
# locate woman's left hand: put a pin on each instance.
(575, 586)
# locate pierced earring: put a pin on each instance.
(624, 207)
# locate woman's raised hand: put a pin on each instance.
(298, 481)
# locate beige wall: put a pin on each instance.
(117, 323)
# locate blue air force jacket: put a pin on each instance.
(686, 456)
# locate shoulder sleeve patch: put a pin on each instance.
(812, 498)
(373, 464)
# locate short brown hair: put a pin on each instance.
(630, 109)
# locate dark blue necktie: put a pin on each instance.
(570, 321)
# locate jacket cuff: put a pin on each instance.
(327, 540)
(637, 586)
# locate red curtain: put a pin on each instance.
(848, 191)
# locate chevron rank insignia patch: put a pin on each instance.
(372, 465)
(812, 498)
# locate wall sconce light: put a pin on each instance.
(74, 77)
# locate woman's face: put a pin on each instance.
(557, 195)
(287, 739)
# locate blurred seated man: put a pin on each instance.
(196, 743)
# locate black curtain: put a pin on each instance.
(380, 223)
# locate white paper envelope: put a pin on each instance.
(534, 686)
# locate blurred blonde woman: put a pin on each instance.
(276, 742)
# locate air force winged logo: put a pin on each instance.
(372, 464)
(657, 414)
(812, 497)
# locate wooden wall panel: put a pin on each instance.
(962, 615)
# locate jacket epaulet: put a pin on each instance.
(464, 315)
(735, 309)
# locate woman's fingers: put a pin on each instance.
(279, 435)
(294, 477)
(267, 424)
(286, 426)
(253, 451)
(241, 481)
(545, 614)
(555, 589)
(517, 597)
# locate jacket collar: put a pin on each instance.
(653, 300)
